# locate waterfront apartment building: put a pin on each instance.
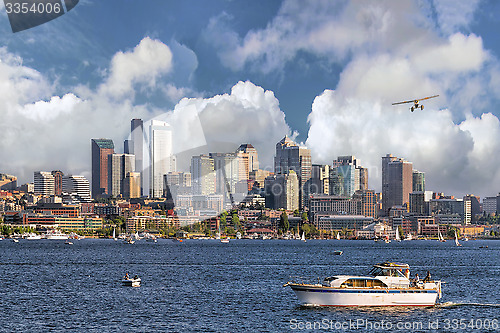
(101, 148)
(162, 160)
(362, 203)
(338, 222)
(64, 223)
(44, 183)
(397, 182)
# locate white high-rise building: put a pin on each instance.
(77, 185)
(160, 155)
(44, 183)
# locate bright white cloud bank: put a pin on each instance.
(390, 51)
(40, 131)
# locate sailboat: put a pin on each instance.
(338, 235)
(456, 239)
(398, 238)
(303, 237)
(440, 236)
(114, 234)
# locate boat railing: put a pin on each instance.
(303, 280)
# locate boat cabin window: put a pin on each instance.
(362, 283)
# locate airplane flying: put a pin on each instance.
(415, 102)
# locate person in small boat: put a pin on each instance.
(136, 277)
(126, 277)
(427, 277)
(407, 273)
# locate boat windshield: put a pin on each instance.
(389, 269)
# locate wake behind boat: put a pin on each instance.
(387, 286)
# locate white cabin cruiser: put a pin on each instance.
(388, 285)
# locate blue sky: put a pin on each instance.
(325, 72)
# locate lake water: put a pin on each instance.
(207, 286)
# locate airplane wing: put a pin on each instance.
(428, 97)
(413, 101)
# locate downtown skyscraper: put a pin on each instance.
(290, 156)
(397, 182)
(161, 158)
(101, 148)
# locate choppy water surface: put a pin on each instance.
(207, 286)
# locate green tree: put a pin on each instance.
(296, 213)
(223, 220)
(304, 217)
(235, 219)
(284, 224)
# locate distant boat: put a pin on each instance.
(131, 282)
(409, 237)
(15, 240)
(68, 242)
(456, 239)
(224, 240)
(338, 253)
(398, 238)
(303, 238)
(129, 240)
(338, 235)
(114, 234)
(55, 234)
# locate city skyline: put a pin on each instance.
(328, 81)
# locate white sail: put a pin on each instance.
(303, 236)
(338, 235)
(397, 235)
(114, 233)
(456, 239)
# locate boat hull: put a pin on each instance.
(325, 296)
(131, 282)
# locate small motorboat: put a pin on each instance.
(337, 253)
(68, 242)
(131, 282)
